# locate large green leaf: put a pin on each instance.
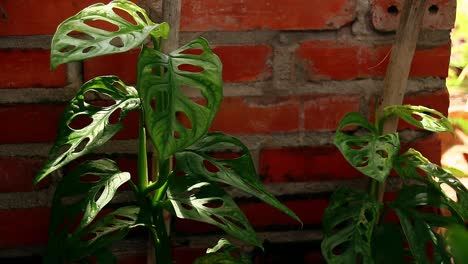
(199, 200)
(371, 154)
(74, 142)
(410, 165)
(78, 199)
(160, 80)
(419, 116)
(238, 172)
(348, 224)
(77, 39)
(419, 226)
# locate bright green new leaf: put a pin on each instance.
(410, 163)
(100, 29)
(371, 154)
(199, 200)
(239, 172)
(160, 83)
(348, 225)
(418, 226)
(419, 116)
(78, 199)
(457, 239)
(75, 138)
(223, 253)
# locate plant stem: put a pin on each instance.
(142, 156)
(396, 77)
(161, 239)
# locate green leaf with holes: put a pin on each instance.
(203, 159)
(348, 225)
(161, 81)
(371, 154)
(194, 198)
(419, 226)
(419, 116)
(99, 30)
(79, 197)
(75, 140)
(410, 165)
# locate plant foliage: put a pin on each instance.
(355, 230)
(81, 229)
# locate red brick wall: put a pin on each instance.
(292, 70)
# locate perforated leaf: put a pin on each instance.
(76, 139)
(410, 165)
(80, 37)
(420, 116)
(199, 200)
(78, 199)
(238, 171)
(348, 224)
(161, 78)
(371, 154)
(224, 252)
(420, 226)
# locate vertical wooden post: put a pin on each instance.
(396, 78)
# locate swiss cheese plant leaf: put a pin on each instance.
(412, 165)
(103, 29)
(160, 82)
(371, 154)
(204, 201)
(202, 158)
(84, 126)
(78, 199)
(420, 116)
(348, 223)
(420, 226)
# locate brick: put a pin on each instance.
(299, 164)
(29, 68)
(30, 17)
(326, 60)
(239, 115)
(24, 227)
(440, 14)
(122, 65)
(245, 63)
(324, 112)
(238, 15)
(17, 174)
(29, 123)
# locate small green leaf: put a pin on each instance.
(76, 39)
(74, 142)
(199, 200)
(160, 82)
(420, 116)
(371, 154)
(78, 199)
(348, 223)
(238, 172)
(410, 163)
(223, 253)
(418, 226)
(457, 239)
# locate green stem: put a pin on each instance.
(161, 239)
(142, 156)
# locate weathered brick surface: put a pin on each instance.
(23, 227)
(440, 14)
(272, 114)
(17, 174)
(121, 64)
(238, 15)
(326, 60)
(24, 68)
